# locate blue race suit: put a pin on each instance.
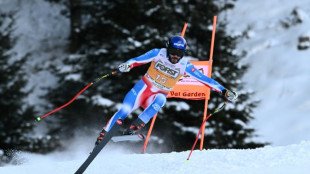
(151, 91)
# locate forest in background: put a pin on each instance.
(102, 35)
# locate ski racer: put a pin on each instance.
(167, 66)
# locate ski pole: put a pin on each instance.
(90, 84)
(203, 124)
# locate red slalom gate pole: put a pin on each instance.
(90, 84)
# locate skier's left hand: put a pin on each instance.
(230, 95)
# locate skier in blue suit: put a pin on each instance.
(167, 66)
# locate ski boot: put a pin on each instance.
(135, 127)
(101, 135)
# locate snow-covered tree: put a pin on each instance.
(17, 117)
(107, 33)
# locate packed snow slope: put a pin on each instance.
(268, 160)
(276, 40)
(272, 32)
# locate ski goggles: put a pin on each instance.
(177, 52)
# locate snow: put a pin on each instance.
(279, 72)
(99, 100)
(39, 28)
(270, 160)
(179, 106)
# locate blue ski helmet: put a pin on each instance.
(177, 42)
(176, 45)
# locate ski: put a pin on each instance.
(99, 147)
(137, 137)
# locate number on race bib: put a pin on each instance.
(161, 79)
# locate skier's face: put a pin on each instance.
(175, 55)
(174, 58)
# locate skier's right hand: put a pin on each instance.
(124, 67)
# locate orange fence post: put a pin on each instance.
(184, 29)
(209, 75)
(149, 133)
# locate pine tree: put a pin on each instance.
(105, 34)
(17, 117)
